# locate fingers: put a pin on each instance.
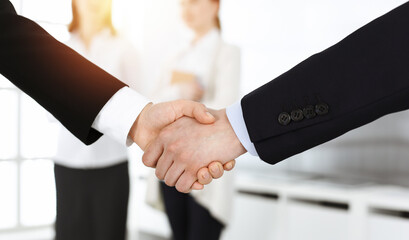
(230, 165)
(194, 110)
(213, 171)
(163, 165)
(197, 186)
(173, 174)
(152, 154)
(185, 182)
(203, 176)
(216, 170)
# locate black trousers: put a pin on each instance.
(92, 204)
(188, 219)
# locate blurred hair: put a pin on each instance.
(218, 22)
(75, 23)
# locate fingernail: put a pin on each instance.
(214, 169)
(209, 114)
(206, 175)
(229, 166)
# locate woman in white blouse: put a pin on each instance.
(207, 70)
(92, 181)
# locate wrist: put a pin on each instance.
(236, 145)
(138, 132)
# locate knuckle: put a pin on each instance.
(180, 103)
(215, 169)
(169, 183)
(218, 175)
(165, 133)
(191, 172)
(201, 173)
(172, 148)
(159, 175)
(205, 181)
(146, 161)
(182, 188)
(184, 156)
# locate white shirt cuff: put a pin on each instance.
(235, 115)
(119, 114)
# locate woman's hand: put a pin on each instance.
(191, 91)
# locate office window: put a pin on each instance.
(9, 126)
(51, 11)
(27, 137)
(4, 83)
(9, 194)
(37, 177)
(38, 133)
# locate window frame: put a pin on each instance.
(18, 159)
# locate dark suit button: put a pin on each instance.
(322, 109)
(297, 115)
(284, 119)
(309, 112)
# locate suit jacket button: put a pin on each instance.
(297, 115)
(284, 119)
(322, 109)
(309, 112)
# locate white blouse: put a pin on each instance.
(116, 56)
(216, 66)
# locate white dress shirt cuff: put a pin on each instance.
(235, 115)
(119, 114)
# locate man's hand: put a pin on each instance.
(154, 117)
(186, 146)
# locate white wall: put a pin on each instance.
(274, 36)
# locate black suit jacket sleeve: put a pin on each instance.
(71, 88)
(358, 80)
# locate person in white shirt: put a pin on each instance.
(206, 70)
(92, 181)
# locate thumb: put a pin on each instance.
(194, 110)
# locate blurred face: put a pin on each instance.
(96, 10)
(198, 14)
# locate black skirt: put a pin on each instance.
(188, 219)
(92, 204)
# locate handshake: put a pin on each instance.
(188, 144)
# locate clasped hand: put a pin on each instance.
(186, 143)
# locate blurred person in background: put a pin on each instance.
(92, 181)
(207, 71)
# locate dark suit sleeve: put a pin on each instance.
(67, 85)
(358, 80)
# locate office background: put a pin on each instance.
(273, 36)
